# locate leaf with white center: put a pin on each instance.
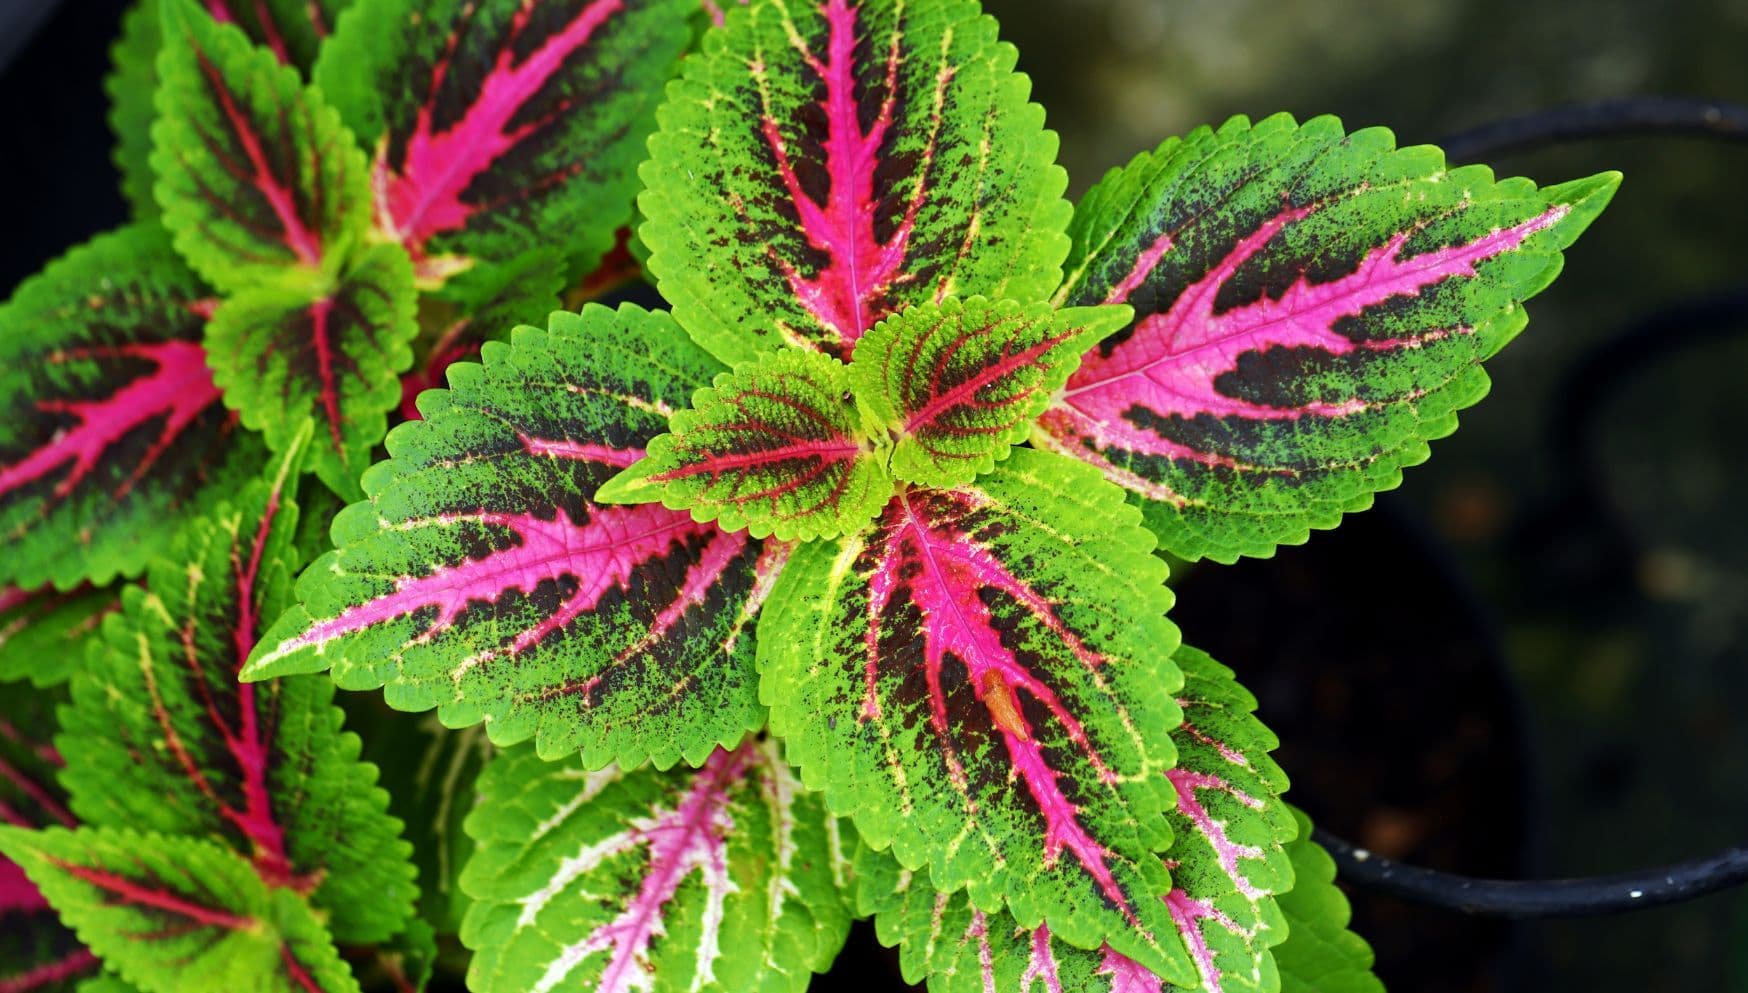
(711, 879)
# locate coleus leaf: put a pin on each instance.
(43, 631)
(778, 447)
(705, 879)
(479, 578)
(1320, 954)
(112, 430)
(820, 166)
(1311, 309)
(178, 915)
(493, 121)
(283, 356)
(1228, 862)
(258, 180)
(162, 737)
(982, 678)
(107, 983)
(958, 383)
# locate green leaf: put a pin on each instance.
(282, 357)
(821, 166)
(777, 446)
(258, 180)
(980, 678)
(43, 632)
(500, 126)
(178, 915)
(689, 880)
(1311, 309)
(1320, 954)
(959, 383)
(107, 983)
(479, 578)
(161, 736)
(111, 430)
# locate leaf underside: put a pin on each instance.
(821, 165)
(479, 578)
(1311, 309)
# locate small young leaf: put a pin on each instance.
(479, 577)
(283, 357)
(959, 383)
(822, 165)
(714, 879)
(501, 125)
(293, 30)
(111, 430)
(777, 447)
(982, 680)
(178, 915)
(162, 737)
(1312, 308)
(1320, 954)
(43, 633)
(258, 180)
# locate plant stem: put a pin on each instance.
(1602, 119)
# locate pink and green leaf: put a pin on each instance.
(959, 383)
(777, 447)
(162, 737)
(709, 879)
(1312, 308)
(43, 632)
(178, 915)
(1320, 954)
(480, 577)
(820, 166)
(982, 679)
(283, 357)
(494, 124)
(111, 430)
(258, 180)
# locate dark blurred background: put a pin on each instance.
(1532, 659)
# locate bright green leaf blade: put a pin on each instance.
(178, 915)
(479, 578)
(106, 983)
(161, 736)
(43, 633)
(714, 879)
(777, 446)
(1320, 954)
(111, 430)
(958, 383)
(283, 357)
(499, 126)
(821, 166)
(1311, 310)
(258, 180)
(980, 678)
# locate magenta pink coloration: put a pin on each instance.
(49, 974)
(1127, 975)
(37, 794)
(944, 396)
(1171, 362)
(17, 893)
(12, 597)
(321, 341)
(129, 891)
(956, 622)
(846, 295)
(691, 838)
(1188, 914)
(600, 554)
(586, 451)
(1186, 783)
(1041, 966)
(221, 12)
(423, 199)
(177, 391)
(1143, 268)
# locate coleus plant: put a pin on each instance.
(829, 591)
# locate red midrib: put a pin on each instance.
(144, 896)
(49, 973)
(986, 376)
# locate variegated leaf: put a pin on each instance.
(162, 737)
(1311, 309)
(112, 430)
(982, 678)
(480, 578)
(499, 126)
(178, 915)
(822, 165)
(258, 180)
(778, 447)
(714, 879)
(960, 382)
(43, 632)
